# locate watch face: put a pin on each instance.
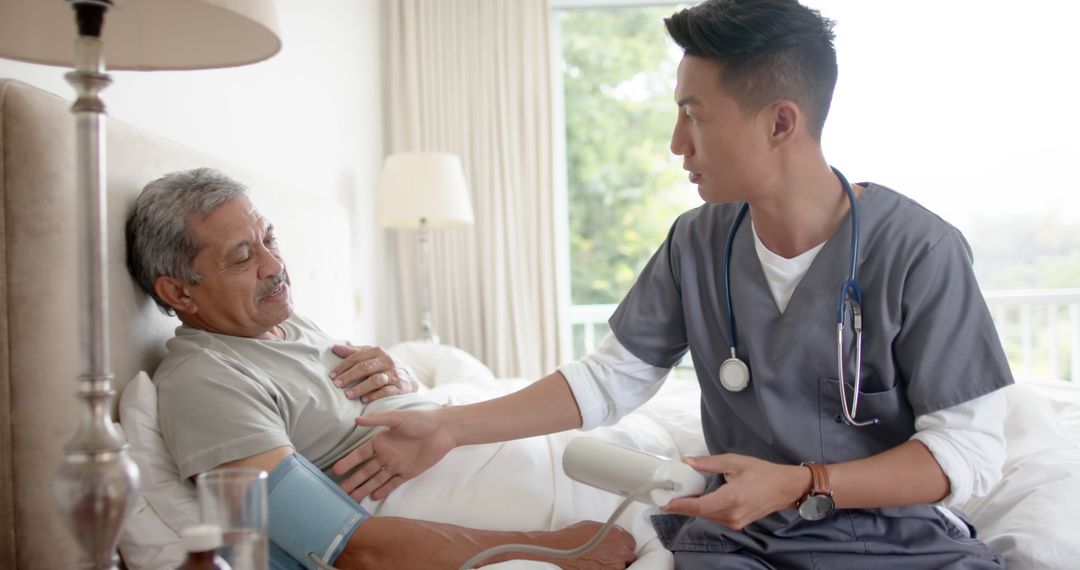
(816, 507)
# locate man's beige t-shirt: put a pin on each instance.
(223, 398)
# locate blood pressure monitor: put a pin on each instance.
(622, 471)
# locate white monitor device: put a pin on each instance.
(622, 471)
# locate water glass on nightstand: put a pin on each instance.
(234, 499)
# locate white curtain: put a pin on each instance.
(473, 77)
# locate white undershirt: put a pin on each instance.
(967, 440)
(783, 274)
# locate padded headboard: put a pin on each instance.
(40, 351)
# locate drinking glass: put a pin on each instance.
(234, 498)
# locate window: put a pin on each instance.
(624, 187)
(965, 106)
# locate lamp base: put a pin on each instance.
(97, 482)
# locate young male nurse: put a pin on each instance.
(794, 485)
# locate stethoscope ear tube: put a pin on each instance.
(849, 415)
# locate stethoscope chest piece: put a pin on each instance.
(734, 375)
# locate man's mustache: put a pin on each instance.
(274, 282)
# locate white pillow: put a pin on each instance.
(1064, 398)
(1030, 515)
(436, 364)
(167, 505)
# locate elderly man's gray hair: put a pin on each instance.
(159, 239)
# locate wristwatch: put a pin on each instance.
(819, 503)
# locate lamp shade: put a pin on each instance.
(423, 185)
(145, 34)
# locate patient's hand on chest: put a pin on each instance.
(368, 373)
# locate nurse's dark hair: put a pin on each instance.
(767, 50)
(158, 231)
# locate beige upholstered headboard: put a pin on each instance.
(40, 351)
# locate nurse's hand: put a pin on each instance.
(369, 373)
(754, 489)
(413, 442)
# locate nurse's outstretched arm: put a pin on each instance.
(904, 475)
(416, 440)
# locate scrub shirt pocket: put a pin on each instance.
(841, 442)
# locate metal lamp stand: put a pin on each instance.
(427, 322)
(97, 482)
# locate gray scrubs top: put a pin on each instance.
(928, 344)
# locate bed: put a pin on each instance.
(1027, 516)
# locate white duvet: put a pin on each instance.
(520, 485)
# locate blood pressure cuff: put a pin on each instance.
(309, 513)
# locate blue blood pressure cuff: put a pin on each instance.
(309, 513)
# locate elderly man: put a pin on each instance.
(249, 383)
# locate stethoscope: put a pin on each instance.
(735, 375)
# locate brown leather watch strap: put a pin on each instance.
(819, 478)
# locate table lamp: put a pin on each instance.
(97, 483)
(424, 190)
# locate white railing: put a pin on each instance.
(1040, 330)
(589, 324)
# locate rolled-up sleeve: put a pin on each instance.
(968, 442)
(611, 382)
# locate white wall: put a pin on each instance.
(311, 115)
